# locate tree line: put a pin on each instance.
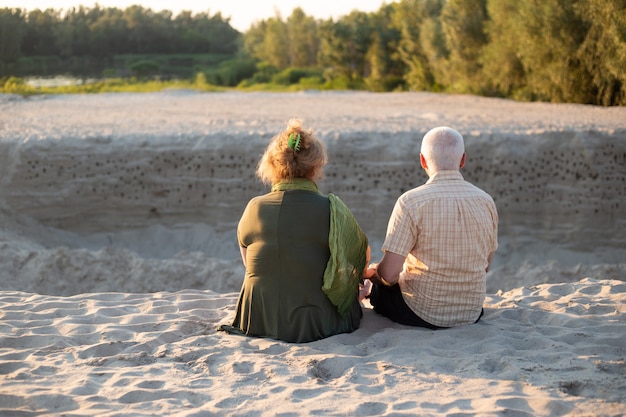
(102, 32)
(550, 50)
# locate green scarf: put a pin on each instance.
(348, 247)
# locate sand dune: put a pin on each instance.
(118, 258)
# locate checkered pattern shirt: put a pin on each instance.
(446, 228)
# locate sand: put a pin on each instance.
(118, 258)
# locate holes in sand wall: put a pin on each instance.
(546, 176)
(539, 175)
(136, 183)
(359, 174)
(548, 181)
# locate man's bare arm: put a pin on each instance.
(387, 271)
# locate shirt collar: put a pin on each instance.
(445, 176)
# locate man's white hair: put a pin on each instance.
(443, 148)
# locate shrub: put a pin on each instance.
(311, 82)
(293, 75)
(144, 68)
(232, 72)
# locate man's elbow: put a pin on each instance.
(489, 259)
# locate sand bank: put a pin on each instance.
(145, 185)
(118, 258)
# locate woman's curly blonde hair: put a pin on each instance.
(281, 162)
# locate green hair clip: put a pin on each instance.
(294, 141)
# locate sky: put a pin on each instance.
(242, 13)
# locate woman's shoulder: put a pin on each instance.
(260, 199)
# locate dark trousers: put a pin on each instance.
(388, 301)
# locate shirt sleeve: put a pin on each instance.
(494, 215)
(402, 231)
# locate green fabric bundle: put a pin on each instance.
(348, 251)
(348, 248)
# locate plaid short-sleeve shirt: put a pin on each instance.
(446, 228)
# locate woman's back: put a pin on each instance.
(285, 234)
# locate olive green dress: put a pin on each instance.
(286, 236)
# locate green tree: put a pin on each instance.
(108, 33)
(202, 33)
(253, 40)
(421, 45)
(64, 38)
(146, 34)
(602, 52)
(502, 69)
(79, 20)
(550, 33)
(268, 41)
(463, 23)
(224, 38)
(385, 66)
(190, 32)
(303, 39)
(12, 27)
(344, 46)
(39, 32)
(276, 43)
(72, 34)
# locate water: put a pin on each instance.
(57, 81)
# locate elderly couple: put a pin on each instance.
(306, 257)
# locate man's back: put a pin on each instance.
(440, 240)
(448, 228)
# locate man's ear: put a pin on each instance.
(462, 164)
(423, 161)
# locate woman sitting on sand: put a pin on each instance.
(304, 252)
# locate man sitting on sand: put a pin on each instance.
(440, 241)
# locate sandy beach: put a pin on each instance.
(118, 258)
